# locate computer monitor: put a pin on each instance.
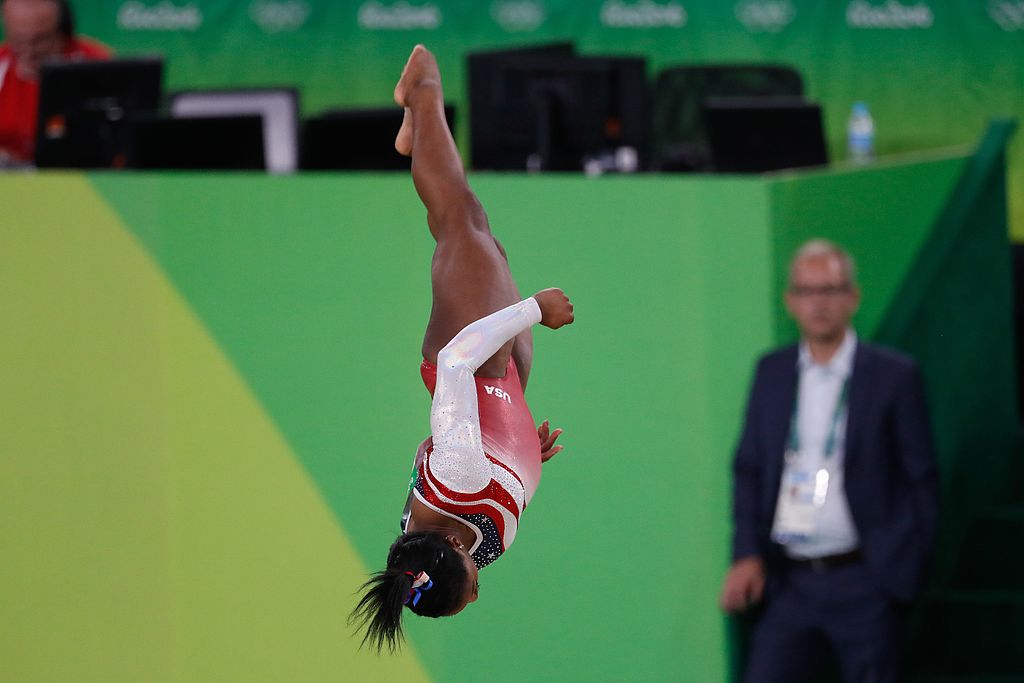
(84, 107)
(554, 113)
(207, 143)
(758, 134)
(679, 139)
(278, 107)
(356, 140)
(486, 97)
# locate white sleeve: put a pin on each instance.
(458, 456)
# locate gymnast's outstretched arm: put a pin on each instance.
(454, 413)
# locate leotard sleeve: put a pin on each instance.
(458, 455)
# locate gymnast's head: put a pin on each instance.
(429, 573)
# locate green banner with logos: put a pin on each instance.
(932, 72)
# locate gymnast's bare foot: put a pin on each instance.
(403, 141)
(420, 72)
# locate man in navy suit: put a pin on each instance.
(835, 492)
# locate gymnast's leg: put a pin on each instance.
(470, 276)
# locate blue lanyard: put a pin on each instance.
(837, 415)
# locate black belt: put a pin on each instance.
(819, 564)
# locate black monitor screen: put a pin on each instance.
(223, 143)
(758, 134)
(486, 98)
(356, 139)
(83, 107)
(555, 113)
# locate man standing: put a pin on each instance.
(835, 492)
(34, 31)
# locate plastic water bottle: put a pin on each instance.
(860, 134)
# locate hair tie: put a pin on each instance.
(420, 582)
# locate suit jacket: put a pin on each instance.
(890, 475)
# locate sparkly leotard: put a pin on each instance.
(482, 463)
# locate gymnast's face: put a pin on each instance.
(471, 590)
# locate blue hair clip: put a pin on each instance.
(420, 582)
(417, 591)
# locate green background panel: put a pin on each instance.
(324, 314)
(879, 213)
(954, 314)
(155, 525)
(215, 403)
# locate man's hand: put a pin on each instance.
(548, 449)
(555, 308)
(744, 585)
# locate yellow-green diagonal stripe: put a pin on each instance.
(154, 524)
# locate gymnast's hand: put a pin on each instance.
(548, 449)
(555, 308)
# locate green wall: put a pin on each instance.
(877, 213)
(213, 400)
(324, 316)
(153, 521)
(953, 312)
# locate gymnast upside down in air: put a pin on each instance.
(479, 469)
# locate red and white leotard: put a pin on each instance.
(482, 463)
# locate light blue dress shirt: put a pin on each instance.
(817, 396)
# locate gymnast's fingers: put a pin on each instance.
(547, 455)
(548, 440)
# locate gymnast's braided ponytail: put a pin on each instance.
(423, 573)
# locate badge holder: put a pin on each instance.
(803, 491)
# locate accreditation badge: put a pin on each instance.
(795, 518)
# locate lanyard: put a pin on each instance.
(830, 443)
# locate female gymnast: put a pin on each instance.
(477, 472)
